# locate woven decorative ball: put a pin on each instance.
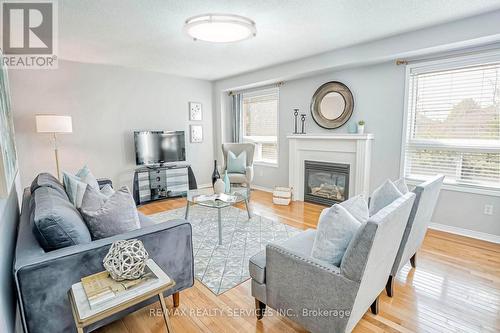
(126, 260)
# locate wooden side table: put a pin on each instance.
(84, 315)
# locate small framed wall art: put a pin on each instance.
(195, 111)
(196, 133)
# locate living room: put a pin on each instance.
(276, 166)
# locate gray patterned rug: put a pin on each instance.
(222, 267)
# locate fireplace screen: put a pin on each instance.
(326, 183)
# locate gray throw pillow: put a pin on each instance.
(109, 216)
(47, 180)
(336, 228)
(383, 195)
(55, 221)
(401, 185)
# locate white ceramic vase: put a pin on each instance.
(219, 186)
(361, 129)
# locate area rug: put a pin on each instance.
(222, 267)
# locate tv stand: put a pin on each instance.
(163, 181)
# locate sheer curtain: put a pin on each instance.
(236, 121)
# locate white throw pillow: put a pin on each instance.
(401, 185)
(336, 228)
(358, 207)
(383, 195)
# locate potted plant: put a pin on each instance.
(361, 127)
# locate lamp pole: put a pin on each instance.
(56, 153)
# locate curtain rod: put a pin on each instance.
(451, 54)
(274, 85)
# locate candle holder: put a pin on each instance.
(303, 119)
(296, 114)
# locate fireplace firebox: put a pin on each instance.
(326, 183)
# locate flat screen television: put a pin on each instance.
(158, 147)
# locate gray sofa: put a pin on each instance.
(286, 277)
(44, 278)
(426, 196)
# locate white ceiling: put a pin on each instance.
(148, 34)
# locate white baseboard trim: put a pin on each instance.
(262, 188)
(466, 232)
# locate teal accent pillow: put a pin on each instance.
(75, 188)
(87, 177)
(236, 164)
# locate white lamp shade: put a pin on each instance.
(53, 124)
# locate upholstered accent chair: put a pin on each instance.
(426, 196)
(286, 277)
(239, 178)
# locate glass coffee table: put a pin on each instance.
(240, 194)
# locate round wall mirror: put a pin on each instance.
(332, 105)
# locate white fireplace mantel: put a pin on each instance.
(352, 149)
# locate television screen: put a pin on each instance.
(153, 147)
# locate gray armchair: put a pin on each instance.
(421, 213)
(240, 178)
(288, 279)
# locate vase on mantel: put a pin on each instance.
(215, 174)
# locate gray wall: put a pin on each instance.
(9, 216)
(107, 104)
(379, 100)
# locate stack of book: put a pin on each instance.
(101, 288)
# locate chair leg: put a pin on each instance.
(175, 297)
(374, 306)
(260, 308)
(413, 261)
(389, 287)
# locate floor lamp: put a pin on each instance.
(54, 125)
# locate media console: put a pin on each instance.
(153, 183)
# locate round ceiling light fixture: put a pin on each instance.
(220, 28)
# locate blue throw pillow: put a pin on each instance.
(236, 164)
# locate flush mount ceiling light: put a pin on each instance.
(220, 28)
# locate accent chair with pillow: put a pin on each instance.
(287, 277)
(416, 227)
(55, 249)
(233, 155)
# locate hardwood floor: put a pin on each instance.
(455, 288)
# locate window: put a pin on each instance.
(260, 124)
(453, 123)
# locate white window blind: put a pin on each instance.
(453, 124)
(260, 123)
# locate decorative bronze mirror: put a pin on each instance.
(332, 105)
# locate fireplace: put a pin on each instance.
(326, 183)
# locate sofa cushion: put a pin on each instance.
(55, 221)
(47, 180)
(383, 196)
(301, 243)
(237, 178)
(106, 217)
